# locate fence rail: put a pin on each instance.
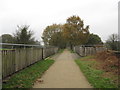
(19, 58)
(88, 50)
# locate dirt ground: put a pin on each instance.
(64, 73)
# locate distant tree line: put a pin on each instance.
(70, 34)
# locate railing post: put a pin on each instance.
(42, 54)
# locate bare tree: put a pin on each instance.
(112, 42)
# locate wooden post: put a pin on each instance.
(42, 54)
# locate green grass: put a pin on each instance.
(6, 49)
(61, 50)
(26, 77)
(71, 51)
(87, 57)
(93, 75)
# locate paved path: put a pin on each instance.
(64, 73)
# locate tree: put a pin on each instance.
(70, 34)
(94, 39)
(23, 35)
(74, 31)
(113, 42)
(52, 35)
(7, 38)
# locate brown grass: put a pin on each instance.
(109, 61)
(110, 64)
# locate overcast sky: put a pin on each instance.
(101, 15)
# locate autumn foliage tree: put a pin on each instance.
(53, 36)
(69, 34)
(74, 31)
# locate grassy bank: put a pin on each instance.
(26, 77)
(94, 76)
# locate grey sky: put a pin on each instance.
(101, 15)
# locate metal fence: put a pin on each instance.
(14, 60)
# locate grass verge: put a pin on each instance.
(93, 75)
(26, 77)
(6, 49)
